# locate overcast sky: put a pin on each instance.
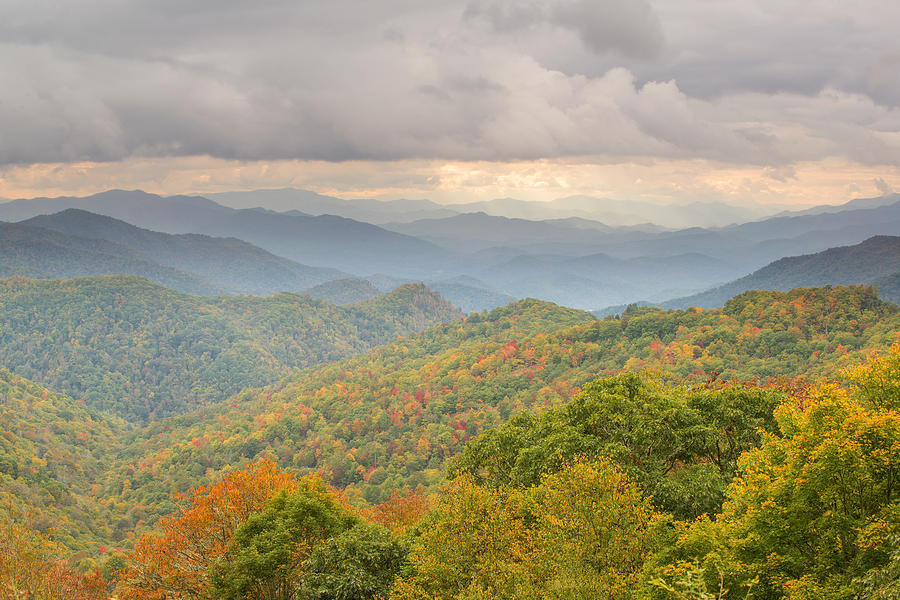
(767, 100)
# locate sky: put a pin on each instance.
(780, 102)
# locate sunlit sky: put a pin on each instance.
(778, 102)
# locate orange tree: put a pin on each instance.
(174, 562)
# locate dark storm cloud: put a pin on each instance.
(746, 82)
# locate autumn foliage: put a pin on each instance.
(32, 566)
(174, 563)
(401, 511)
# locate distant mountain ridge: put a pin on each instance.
(232, 265)
(293, 201)
(574, 261)
(609, 211)
(875, 259)
(321, 241)
(479, 230)
(856, 203)
(30, 251)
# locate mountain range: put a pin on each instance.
(43, 253)
(324, 241)
(231, 265)
(478, 260)
(609, 211)
(874, 261)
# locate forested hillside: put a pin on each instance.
(510, 400)
(459, 300)
(130, 347)
(53, 451)
(391, 418)
(623, 494)
(343, 291)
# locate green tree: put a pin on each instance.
(680, 443)
(815, 511)
(358, 564)
(269, 550)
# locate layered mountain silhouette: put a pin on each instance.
(232, 265)
(610, 211)
(324, 241)
(44, 253)
(573, 260)
(874, 261)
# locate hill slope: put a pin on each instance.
(52, 451)
(131, 347)
(37, 252)
(233, 265)
(391, 418)
(864, 263)
(344, 291)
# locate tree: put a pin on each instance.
(583, 532)
(268, 553)
(358, 564)
(680, 443)
(815, 511)
(474, 544)
(31, 566)
(174, 563)
(593, 530)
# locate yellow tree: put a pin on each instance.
(815, 511)
(583, 532)
(474, 544)
(31, 566)
(592, 532)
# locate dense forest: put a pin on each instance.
(391, 418)
(460, 300)
(52, 451)
(638, 488)
(132, 348)
(529, 451)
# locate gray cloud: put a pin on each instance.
(625, 27)
(883, 186)
(629, 26)
(754, 82)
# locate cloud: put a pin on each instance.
(627, 27)
(781, 174)
(883, 186)
(103, 80)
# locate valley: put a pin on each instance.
(504, 300)
(136, 385)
